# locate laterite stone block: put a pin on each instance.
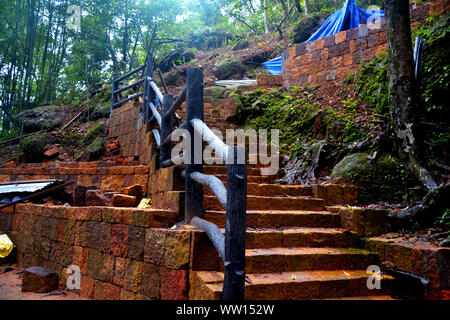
(173, 284)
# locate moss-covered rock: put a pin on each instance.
(101, 111)
(383, 179)
(229, 69)
(306, 26)
(175, 58)
(41, 118)
(175, 77)
(33, 147)
(97, 130)
(95, 150)
(241, 44)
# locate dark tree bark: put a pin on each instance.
(404, 111)
(287, 11)
(425, 212)
(298, 6)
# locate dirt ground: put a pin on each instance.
(11, 283)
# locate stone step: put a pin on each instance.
(280, 218)
(250, 179)
(299, 237)
(305, 259)
(318, 284)
(213, 162)
(217, 169)
(271, 203)
(261, 189)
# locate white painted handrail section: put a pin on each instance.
(214, 183)
(157, 137)
(210, 138)
(155, 113)
(156, 89)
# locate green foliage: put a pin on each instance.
(444, 220)
(435, 73)
(294, 112)
(9, 134)
(286, 109)
(434, 83)
(373, 86)
(352, 131)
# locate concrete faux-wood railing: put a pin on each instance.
(231, 247)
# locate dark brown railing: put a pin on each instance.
(231, 247)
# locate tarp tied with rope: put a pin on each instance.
(348, 17)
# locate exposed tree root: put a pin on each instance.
(430, 207)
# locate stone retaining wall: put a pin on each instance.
(122, 253)
(137, 141)
(334, 57)
(431, 261)
(105, 176)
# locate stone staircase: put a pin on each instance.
(296, 249)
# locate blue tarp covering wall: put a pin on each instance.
(273, 66)
(348, 17)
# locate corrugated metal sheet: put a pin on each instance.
(234, 83)
(25, 186)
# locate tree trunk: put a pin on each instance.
(306, 7)
(266, 25)
(287, 13)
(298, 6)
(404, 111)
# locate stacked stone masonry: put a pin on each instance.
(136, 139)
(334, 57)
(106, 176)
(120, 251)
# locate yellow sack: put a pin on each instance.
(6, 246)
(145, 203)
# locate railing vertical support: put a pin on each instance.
(115, 86)
(233, 286)
(149, 95)
(194, 110)
(166, 128)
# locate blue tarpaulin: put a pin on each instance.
(273, 66)
(348, 17)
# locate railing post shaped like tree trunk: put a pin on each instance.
(235, 228)
(115, 86)
(149, 95)
(166, 128)
(194, 153)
